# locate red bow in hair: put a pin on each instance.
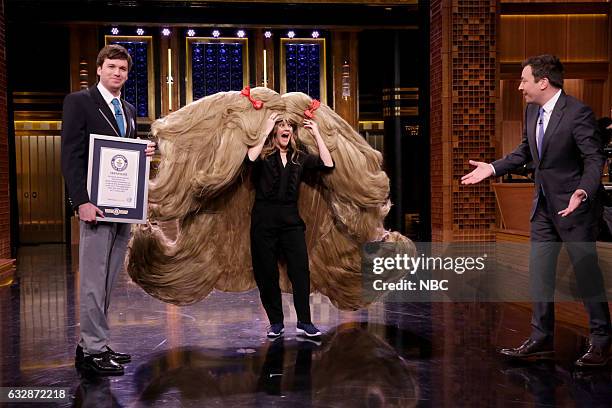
(309, 113)
(247, 92)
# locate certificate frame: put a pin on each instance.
(131, 205)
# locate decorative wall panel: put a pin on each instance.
(139, 89)
(473, 115)
(303, 67)
(216, 65)
(463, 106)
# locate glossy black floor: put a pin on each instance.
(215, 353)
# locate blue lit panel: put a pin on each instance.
(216, 67)
(303, 68)
(136, 88)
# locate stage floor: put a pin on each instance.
(215, 353)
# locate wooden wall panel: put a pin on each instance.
(512, 100)
(546, 35)
(512, 133)
(573, 87)
(345, 51)
(573, 38)
(587, 38)
(511, 116)
(512, 39)
(592, 95)
(83, 47)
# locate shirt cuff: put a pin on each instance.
(492, 168)
(586, 196)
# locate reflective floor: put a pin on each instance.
(215, 353)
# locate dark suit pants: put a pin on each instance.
(278, 229)
(546, 241)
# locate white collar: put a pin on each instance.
(108, 97)
(550, 105)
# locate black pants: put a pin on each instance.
(278, 229)
(546, 241)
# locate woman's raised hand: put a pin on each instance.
(312, 126)
(269, 124)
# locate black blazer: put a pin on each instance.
(572, 158)
(86, 112)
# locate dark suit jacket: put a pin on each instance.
(572, 158)
(85, 112)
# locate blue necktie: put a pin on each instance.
(119, 116)
(540, 135)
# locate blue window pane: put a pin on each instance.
(136, 88)
(216, 67)
(303, 68)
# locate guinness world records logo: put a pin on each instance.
(119, 162)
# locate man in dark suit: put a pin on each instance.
(102, 245)
(560, 136)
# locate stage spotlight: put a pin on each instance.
(315, 34)
(140, 31)
(166, 32)
(268, 34)
(190, 33)
(216, 33)
(114, 31)
(291, 34)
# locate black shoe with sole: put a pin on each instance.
(307, 329)
(120, 358)
(276, 330)
(596, 356)
(100, 364)
(531, 350)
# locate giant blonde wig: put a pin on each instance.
(200, 201)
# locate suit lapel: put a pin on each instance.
(553, 122)
(532, 118)
(130, 130)
(104, 109)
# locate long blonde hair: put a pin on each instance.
(201, 198)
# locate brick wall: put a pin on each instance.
(5, 225)
(436, 120)
(463, 102)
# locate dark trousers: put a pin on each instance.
(278, 229)
(579, 241)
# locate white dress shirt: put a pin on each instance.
(108, 97)
(548, 108)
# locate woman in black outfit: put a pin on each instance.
(275, 221)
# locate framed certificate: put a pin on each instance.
(118, 178)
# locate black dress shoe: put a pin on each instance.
(100, 364)
(120, 358)
(596, 356)
(531, 349)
